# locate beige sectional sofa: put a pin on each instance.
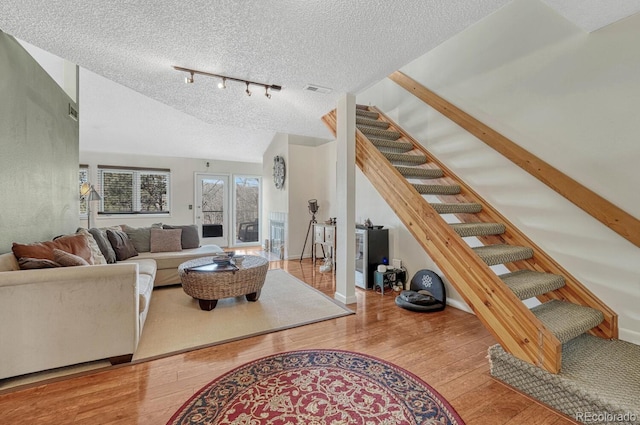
(55, 317)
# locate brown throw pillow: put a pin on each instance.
(36, 263)
(66, 259)
(190, 238)
(121, 244)
(75, 244)
(166, 240)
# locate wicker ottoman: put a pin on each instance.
(210, 286)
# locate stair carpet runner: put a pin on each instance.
(565, 320)
(590, 364)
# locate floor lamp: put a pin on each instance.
(89, 194)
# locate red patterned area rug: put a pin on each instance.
(317, 387)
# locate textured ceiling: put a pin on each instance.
(343, 45)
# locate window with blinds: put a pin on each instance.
(134, 190)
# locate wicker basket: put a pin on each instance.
(215, 285)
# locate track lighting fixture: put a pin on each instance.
(223, 84)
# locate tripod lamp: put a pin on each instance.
(313, 209)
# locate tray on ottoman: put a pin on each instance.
(208, 284)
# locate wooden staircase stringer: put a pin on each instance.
(573, 291)
(502, 313)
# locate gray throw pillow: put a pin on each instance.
(140, 236)
(101, 239)
(189, 238)
(121, 244)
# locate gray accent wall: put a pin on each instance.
(39, 147)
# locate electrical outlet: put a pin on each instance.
(397, 264)
(190, 206)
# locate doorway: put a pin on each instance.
(212, 208)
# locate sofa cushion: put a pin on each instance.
(140, 236)
(8, 262)
(171, 260)
(75, 244)
(66, 259)
(121, 244)
(145, 287)
(145, 266)
(166, 240)
(98, 258)
(27, 263)
(189, 238)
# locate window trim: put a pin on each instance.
(136, 190)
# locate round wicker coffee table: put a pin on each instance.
(210, 286)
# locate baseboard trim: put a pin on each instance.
(629, 336)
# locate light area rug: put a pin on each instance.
(175, 322)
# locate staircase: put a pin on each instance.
(421, 190)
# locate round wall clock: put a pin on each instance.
(278, 171)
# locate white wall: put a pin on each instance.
(566, 96)
(182, 182)
(274, 200)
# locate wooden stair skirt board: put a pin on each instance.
(567, 309)
(598, 377)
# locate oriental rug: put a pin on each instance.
(317, 387)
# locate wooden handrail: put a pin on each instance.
(607, 213)
(509, 320)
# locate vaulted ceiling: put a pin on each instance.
(133, 101)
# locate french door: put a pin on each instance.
(212, 212)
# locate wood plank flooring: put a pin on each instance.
(447, 350)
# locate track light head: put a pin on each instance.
(268, 88)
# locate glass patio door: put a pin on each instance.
(247, 208)
(212, 208)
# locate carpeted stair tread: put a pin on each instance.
(529, 283)
(502, 254)
(405, 158)
(457, 208)
(437, 189)
(400, 145)
(425, 173)
(367, 114)
(478, 229)
(567, 320)
(598, 375)
(371, 122)
(379, 133)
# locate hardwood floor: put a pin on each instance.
(447, 350)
